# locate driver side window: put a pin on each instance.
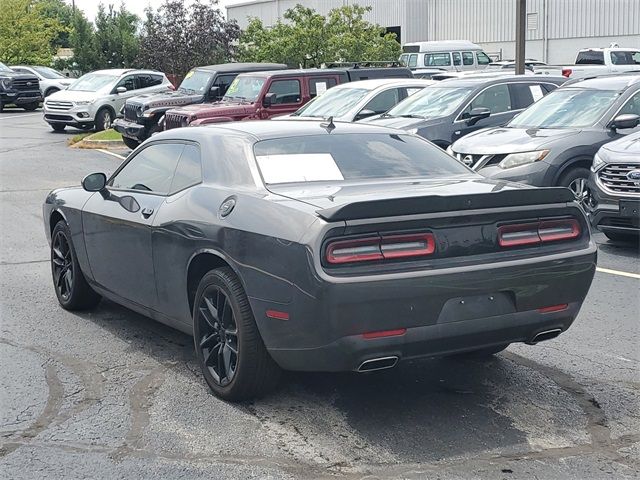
(151, 170)
(127, 82)
(632, 106)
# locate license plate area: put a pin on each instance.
(630, 208)
(459, 309)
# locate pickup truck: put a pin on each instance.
(263, 95)
(143, 114)
(19, 89)
(592, 62)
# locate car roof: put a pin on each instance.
(242, 67)
(374, 83)
(477, 81)
(442, 46)
(265, 130)
(123, 71)
(298, 72)
(606, 82)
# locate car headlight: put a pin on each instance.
(598, 161)
(84, 102)
(519, 159)
(6, 83)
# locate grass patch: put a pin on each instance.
(110, 134)
(77, 138)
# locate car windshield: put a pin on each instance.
(4, 68)
(566, 108)
(92, 82)
(49, 73)
(334, 103)
(245, 89)
(431, 102)
(195, 81)
(349, 157)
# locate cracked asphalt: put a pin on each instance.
(110, 394)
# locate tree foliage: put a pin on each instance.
(115, 39)
(175, 38)
(26, 32)
(308, 39)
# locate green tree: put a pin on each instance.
(307, 39)
(116, 41)
(63, 13)
(82, 41)
(26, 33)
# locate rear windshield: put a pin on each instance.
(590, 57)
(349, 157)
(566, 108)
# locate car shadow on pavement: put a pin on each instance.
(419, 411)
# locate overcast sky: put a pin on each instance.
(90, 7)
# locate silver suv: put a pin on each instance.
(94, 99)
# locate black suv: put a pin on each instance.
(448, 110)
(143, 114)
(20, 89)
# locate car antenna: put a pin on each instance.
(328, 124)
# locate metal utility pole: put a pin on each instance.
(521, 33)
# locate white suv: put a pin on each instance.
(94, 99)
(51, 80)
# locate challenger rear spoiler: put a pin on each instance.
(438, 203)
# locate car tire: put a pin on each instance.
(622, 237)
(50, 91)
(58, 127)
(103, 120)
(484, 353)
(132, 143)
(247, 373)
(576, 180)
(72, 289)
(30, 107)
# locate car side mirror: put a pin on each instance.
(94, 182)
(626, 120)
(214, 93)
(121, 90)
(364, 114)
(477, 114)
(269, 99)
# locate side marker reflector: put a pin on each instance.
(277, 315)
(554, 308)
(384, 333)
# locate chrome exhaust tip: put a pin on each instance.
(545, 335)
(381, 363)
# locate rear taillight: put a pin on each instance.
(380, 248)
(566, 72)
(539, 232)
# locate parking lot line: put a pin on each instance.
(20, 116)
(110, 153)
(618, 272)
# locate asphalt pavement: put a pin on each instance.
(110, 394)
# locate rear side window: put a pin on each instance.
(524, 94)
(350, 157)
(287, 91)
(189, 169)
(317, 86)
(456, 58)
(590, 57)
(150, 170)
(145, 81)
(467, 58)
(437, 59)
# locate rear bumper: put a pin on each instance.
(452, 310)
(129, 129)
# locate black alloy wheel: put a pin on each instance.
(218, 340)
(234, 361)
(72, 289)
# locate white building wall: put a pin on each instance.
(559, 28)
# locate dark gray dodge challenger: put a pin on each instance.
(321, 247)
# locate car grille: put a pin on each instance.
(174, 120)
(613, 177)
(132, 111)
(478, 161)
(58, 105)
(26, 84)
(49, 116)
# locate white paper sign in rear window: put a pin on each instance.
(304, 167)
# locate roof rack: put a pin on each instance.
(389, 64)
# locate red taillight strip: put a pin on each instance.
(381, 248)
(545, 230)
(554, 308)
(277, 315)
(384, 333)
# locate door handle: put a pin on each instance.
(146, 212)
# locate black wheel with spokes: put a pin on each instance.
(233, 358)
(72, 289)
